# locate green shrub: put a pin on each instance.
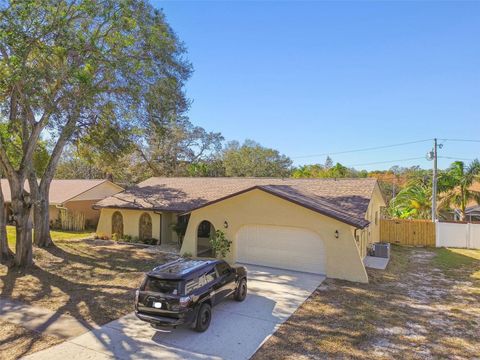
(187, 254)
(127, 238)
(114, 237)
(220, 244)
(150, 241)
(180, 229)
(101, 236)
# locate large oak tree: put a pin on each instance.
(73, 69)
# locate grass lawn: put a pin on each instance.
(92, 280)
(426, 305)
(56, 235)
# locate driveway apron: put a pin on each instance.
(237, 329)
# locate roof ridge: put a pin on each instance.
(254, 178)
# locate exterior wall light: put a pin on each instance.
(225, 224)
(336, 234)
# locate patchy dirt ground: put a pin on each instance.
(425, 305)
(92, 280)
(16, 341)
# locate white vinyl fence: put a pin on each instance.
(459, 235)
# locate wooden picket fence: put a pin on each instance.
(73, 221)
(408, 232)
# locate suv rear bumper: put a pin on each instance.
(183, 318)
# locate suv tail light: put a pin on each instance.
(185, 301)
(137, 294)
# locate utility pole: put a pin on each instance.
(434, 181)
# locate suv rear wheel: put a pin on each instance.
(204, 317)
(241, 291)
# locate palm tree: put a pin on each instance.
(412, 202)
(454, 186)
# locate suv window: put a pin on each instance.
(223, 268)
(168, 287)
(200, 281)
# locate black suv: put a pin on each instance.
(184, 291)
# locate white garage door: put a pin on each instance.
(281, 247)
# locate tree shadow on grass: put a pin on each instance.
(95, 287)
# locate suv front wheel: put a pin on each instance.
(241, 291)
(204, 317)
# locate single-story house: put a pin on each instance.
(77, 196)
(472, 210)
(319, 226)
(473, 213)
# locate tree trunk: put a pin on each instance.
(21, 206)
(41, 215)
(23, 223)
(41, 218)
(6, 255)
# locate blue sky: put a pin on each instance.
(323, 77)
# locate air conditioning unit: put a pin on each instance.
(382, 250)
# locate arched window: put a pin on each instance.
(117, 224)
(145, 227)
(204, 231)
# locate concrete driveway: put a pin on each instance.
(237, 329)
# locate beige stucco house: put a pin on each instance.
(77, 196)
(319, 226)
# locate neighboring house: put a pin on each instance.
(314, 225)
(75, 196)
(473, 213)
(472, 210)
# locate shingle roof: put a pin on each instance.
(475, 187)
(472, 210)
(344, 199)
(60, 190)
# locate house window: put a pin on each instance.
(117, 224)
(145, 227)
(376, 217)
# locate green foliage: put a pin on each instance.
(89, 70)
(150, 241)
(12, 142)
(133, 239)
(206, 168)
(187, 254)
(127, 238)
(454, 259)
(327, 171)
(455, 183)
(180, 229)
(220, 244)
(252, 159)
(173, 144)
(328, 163)
(412, 202)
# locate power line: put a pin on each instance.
(462, 140)
(388, 161)
(363, 149)
(455, 158)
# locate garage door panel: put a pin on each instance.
(283, 247)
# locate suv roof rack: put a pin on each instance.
(181, 267)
